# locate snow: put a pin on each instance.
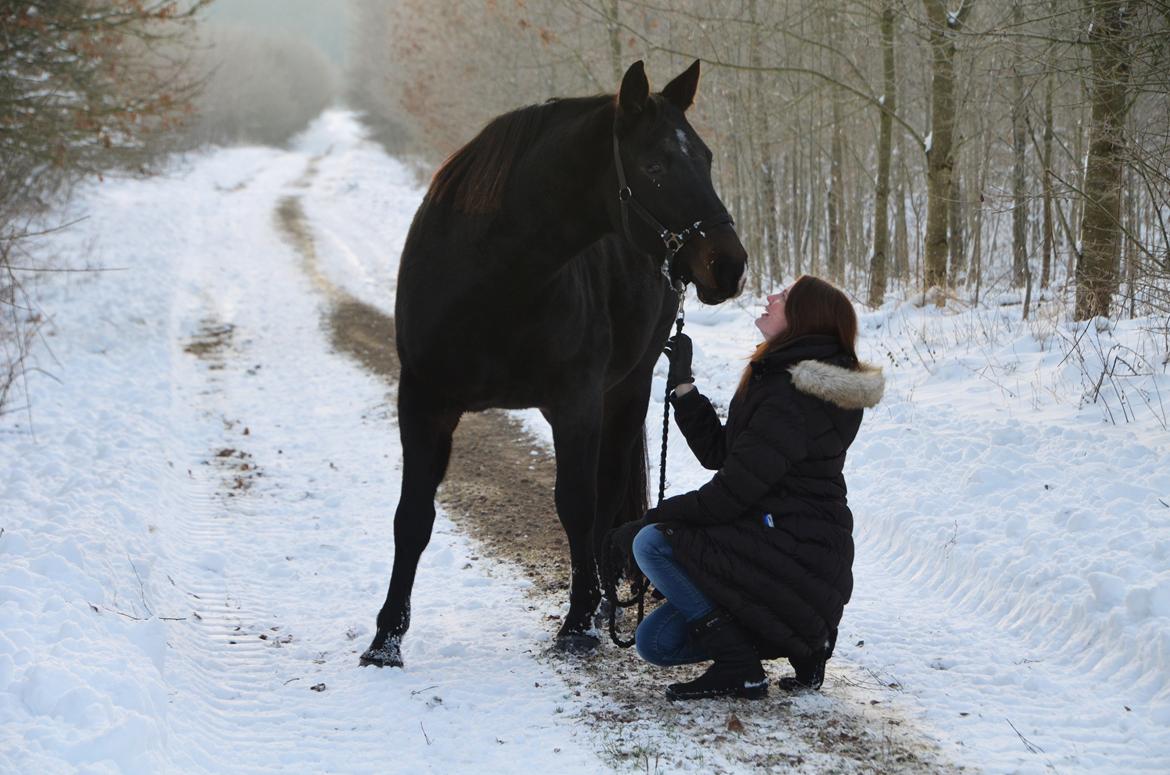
(168, 607)
(266, 590)
(1011, 541)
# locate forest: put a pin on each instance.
(945, 150)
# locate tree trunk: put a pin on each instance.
(1046, 173)
(881, 218)
(901, 230)
(955, 217)
(1019, 150)
(981, 186)
(836, 215)
(615, 41)
(1100, 224)
(939, 153)
(763, 145)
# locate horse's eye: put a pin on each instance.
(654, 168)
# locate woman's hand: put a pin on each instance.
(620, 540)
(679, 351)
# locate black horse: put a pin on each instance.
(532, 277)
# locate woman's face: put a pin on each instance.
(773, 323)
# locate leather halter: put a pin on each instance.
(672, 241)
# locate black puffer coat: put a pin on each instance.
(781, 454)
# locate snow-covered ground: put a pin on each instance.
(194, 514)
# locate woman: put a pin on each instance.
(757, 563)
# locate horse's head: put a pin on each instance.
(665, 197)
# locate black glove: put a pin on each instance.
(679, 351)
(620, 541)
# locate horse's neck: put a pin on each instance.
(560, 207)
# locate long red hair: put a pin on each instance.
(813, 306)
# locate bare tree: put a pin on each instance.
(1097, 270)
(86, 87)
(881, 222)
(943, 25)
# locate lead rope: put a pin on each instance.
(678, 327)
(643, 584)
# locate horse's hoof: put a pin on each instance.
(577, 643)
(601, 616)
(389, 654)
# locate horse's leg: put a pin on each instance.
(576, 438)
(621, 476)
(426, 432)
(621, 481)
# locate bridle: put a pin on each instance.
(672, 241)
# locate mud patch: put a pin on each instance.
(291, 222)
(237, 469)
(211, 341)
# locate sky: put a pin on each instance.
(323, 22)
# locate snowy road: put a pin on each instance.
(195, 535)
(204, 415)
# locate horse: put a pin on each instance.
(537, 273)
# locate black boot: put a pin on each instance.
(736, 672)
(810, 674)
(810, 670)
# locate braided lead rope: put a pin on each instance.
(642, 584)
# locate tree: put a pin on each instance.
(881, 219)
(942, 26)
(1097, 269)
(86, 86)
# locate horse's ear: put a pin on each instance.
(634, 92)
(681, 91)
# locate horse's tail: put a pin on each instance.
(636, 499)
(632, 506)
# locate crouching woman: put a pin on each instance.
(757, 563)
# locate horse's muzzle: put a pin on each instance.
(717, 266)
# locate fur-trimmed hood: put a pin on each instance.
(859, 388)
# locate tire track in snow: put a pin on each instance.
(225, 665)
(237, 671)
(499, 489)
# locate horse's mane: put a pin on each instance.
(473, 178)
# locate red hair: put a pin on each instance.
(813, 306)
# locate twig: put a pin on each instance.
(141, 587)
(1032, 747)
(122, 613)
(44, 232)
(424, 731)
(425, 688)
(93, 269)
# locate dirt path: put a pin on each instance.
(499, 490)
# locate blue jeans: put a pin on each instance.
(663, 637)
